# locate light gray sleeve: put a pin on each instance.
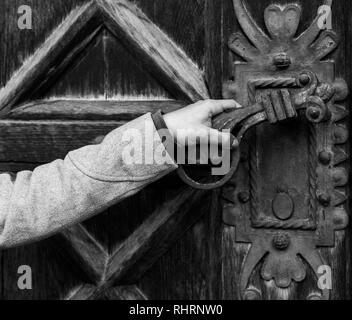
(35, 205)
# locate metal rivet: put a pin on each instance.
(251, 295)
(281, 60)
(244, 196)
(282, 188)
(340, 177)
(340, 135)
(230, 215)
(341, 89)
(324, 199)
(325, 157)
(314, 114)
(281, 241)
(304, 79)
(340, 218)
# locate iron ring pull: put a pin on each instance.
(274, 107)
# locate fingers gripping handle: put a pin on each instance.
(213, 185)
(275, 106)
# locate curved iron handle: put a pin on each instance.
(272, 108)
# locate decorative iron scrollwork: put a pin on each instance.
(288, 218)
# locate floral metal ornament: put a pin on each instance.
(281, 48)
(287, 215)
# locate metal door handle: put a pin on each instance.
(274, 106)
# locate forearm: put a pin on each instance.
(89, 180)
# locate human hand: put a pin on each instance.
(193, 123)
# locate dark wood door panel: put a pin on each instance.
(17, 45)
(105, 74)
(167, 242)
(93, 65)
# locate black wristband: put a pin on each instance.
(164, 133)
(159, 121)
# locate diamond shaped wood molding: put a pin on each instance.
(178, 72)
(130, 25)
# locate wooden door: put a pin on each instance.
(87, 67)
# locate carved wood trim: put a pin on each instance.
(151, 240)
(91, 109)
(141, 249)
(53, 55)
(24, 141)
(80, 292)
(126, 293)
(85, 250)
(129, 23)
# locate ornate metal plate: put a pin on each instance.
(295, 181)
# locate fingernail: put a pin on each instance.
(235, 144)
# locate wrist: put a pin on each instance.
(168, 120)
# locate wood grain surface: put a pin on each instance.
(62, 91)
